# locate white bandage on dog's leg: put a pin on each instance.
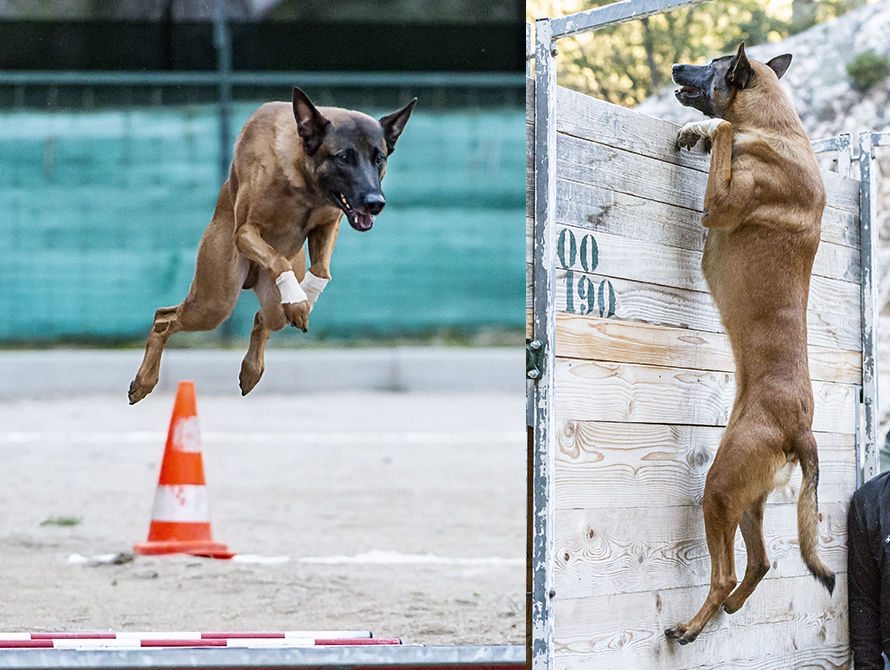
(703, 128)
(290, 288)
(313, 286)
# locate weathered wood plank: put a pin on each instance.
(662, 227)
(594, 121)
(618, 170)
(588, 118)
(529, 239)
(600, 552)
(624, 631)
(599, 295)
(625, 172)
(840, 227)
(530, 100)
(598, 208)
(841, 192)
(616, 255)
(834, 657)
(529, 301)
(835, 261)
(599, 391)
(611, 464)
(529, 171)
(593, 338)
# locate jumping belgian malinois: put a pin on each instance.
(763, 208)
(296, 171)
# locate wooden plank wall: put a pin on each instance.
(644, 386)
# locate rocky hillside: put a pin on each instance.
(817, 79)
(828, 104)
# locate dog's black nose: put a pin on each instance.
(374, 203)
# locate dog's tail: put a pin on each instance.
(808, 517)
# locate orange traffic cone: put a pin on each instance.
(180, 521)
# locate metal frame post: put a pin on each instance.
(613, 14)
(544, 325)
(222, 39)
(868, 458)
(868, 464)
(845, 155)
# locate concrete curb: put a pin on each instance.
(435, 369)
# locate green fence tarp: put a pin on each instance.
(101, 213)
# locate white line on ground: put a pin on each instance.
(140, 437)
(377, 557)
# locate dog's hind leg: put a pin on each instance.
(165, 324)
(758, 561)
(721, 520)
(190, 315)
(219, 275)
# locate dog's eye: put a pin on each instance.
(345, 157)
(379, 159)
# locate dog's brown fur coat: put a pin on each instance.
(271, 205)
(763, 208)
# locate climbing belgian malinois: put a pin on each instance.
(763, 210)
(296, 171)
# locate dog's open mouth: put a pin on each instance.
(361, 221)
(688, 92)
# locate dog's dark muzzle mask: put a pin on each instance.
(695, 85)
(360, 210)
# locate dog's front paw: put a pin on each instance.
(691, 133)
(297, 314)
(687, 139)
(681, 634)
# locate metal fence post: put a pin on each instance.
(845, 155)
(540, 653)
(222, 39)
(868, 464)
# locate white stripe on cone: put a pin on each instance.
(187, 434)
(181, 503)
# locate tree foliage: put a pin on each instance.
(625, 64)
(868, 69)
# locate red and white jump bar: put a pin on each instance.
(188, 639)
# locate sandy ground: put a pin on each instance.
(401, 514)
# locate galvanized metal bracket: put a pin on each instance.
(534, 359)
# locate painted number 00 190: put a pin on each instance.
(583, 295)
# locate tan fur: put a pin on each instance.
(763, 207)
(270, 206)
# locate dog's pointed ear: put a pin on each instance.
(740, 70)
(393, 125)
(311, 125)
(779, 64)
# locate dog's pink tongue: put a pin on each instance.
(360, 220)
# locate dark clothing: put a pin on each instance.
(868, 527)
